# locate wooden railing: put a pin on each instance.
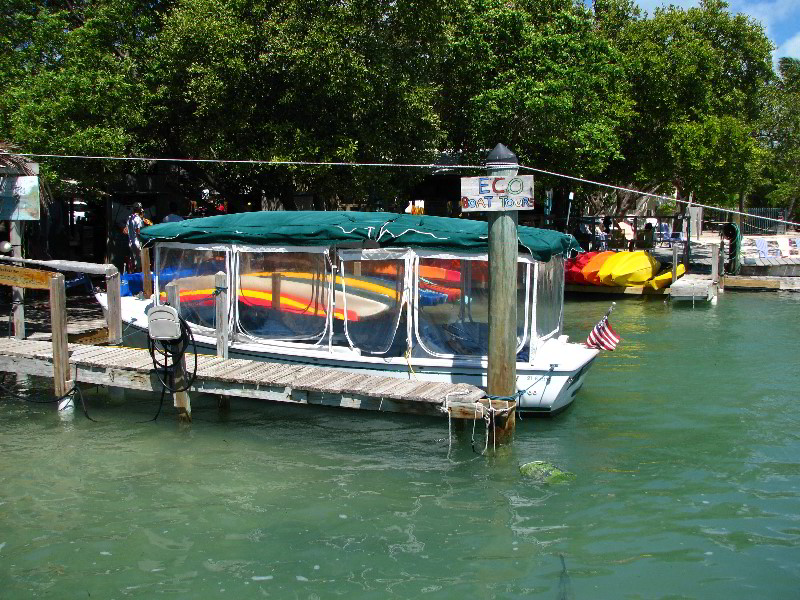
(16, 277)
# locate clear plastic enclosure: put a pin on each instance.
(283, 295)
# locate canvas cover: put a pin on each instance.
(386, 230)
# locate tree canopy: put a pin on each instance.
(683, 98)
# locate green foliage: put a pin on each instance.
(675, 99)
(698, 78)
(72, 82)
(537, 76)
(783, 132)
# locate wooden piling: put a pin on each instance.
(715, 263)
(147, 276)
(502, 376)
(674, 262)
(17, 293)
(181, 400)
(58, 324)
(114, 310)
(221, 284)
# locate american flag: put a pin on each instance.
(603, 336)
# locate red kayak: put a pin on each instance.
(573, 267)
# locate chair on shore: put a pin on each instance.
(675, 236)
(663, 233)
(763, 249)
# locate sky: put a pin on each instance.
(780, 18)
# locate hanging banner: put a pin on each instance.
(496, 193)
(19, 198)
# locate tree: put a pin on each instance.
(299, 80)
(698, 79)
(537, 76)
(71, 79)
(783, 131)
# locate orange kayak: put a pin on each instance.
(594, 265)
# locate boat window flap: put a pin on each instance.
(283, 296)
(204, 247)
(369, 299)
(549, 297)
(453, 306)
(376, 254)
(280, 249)
(193, 270)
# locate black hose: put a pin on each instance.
(173, 353)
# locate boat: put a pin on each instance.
(405, 296)
(664, 278)
(574, 267)
(606, 273)
(634, 269)
(594, 265)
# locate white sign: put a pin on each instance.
(496, 193)
(19, 198)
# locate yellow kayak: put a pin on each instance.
(636, 269)
(590, 270)
(606, 273)
(664, 278)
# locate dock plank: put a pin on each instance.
(286, 382)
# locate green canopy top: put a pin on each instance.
(385, 230)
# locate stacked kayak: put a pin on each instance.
(574, 267)
(664, 278)
(636, 269)
(619, 269)
(592, 268)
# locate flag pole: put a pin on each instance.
(613, 304)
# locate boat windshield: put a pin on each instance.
(453, 306)
(193, 271)
(283, 295)
(549, 297)
(369, 294)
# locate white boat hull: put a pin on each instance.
(548, 384)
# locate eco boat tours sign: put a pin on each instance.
(496, 193)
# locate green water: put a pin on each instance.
(685, 443)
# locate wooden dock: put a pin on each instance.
(70, 364)
(694, 287)
(132, 368)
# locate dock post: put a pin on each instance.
(715, 263)
(114, 310)
(17, 293)
(147, 277)
(502, 376)
(181, 400)
(221, 320)
(221, 284)
(674, 262)
(58, 325)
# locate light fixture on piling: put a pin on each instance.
(5, 247)
(502, 162)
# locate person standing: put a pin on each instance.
(134, 225)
